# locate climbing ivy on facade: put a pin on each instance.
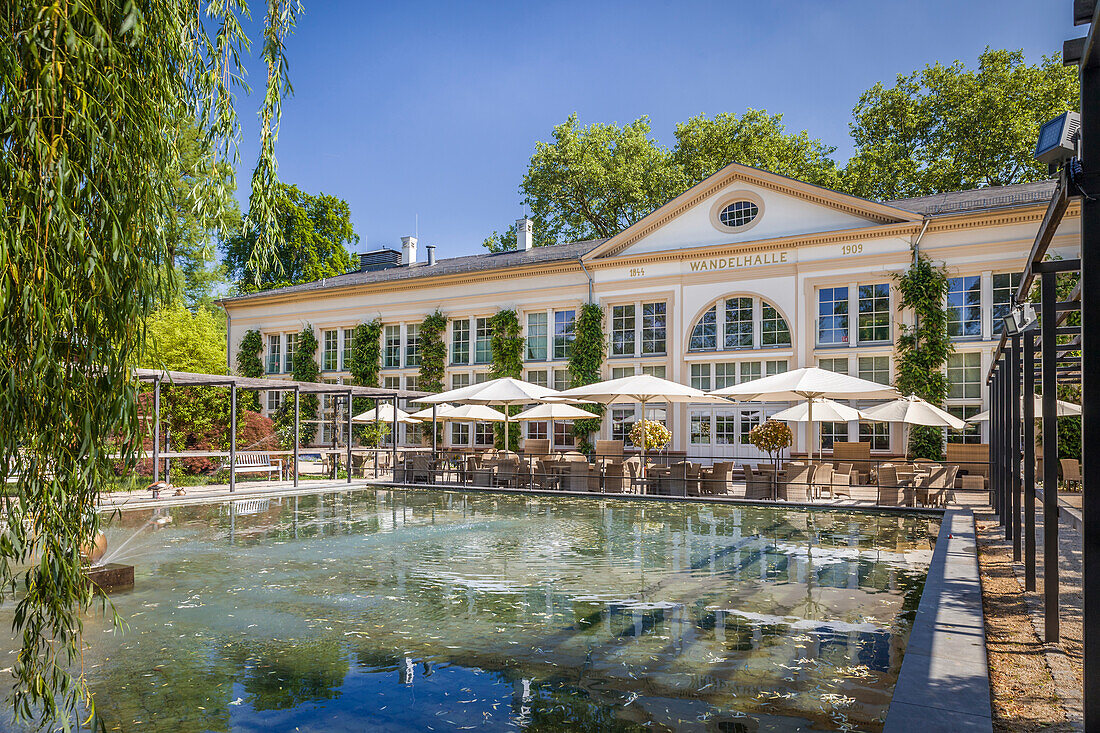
(304, 368)
(249, 364)
(506, 342)
(923, 348)
(585, 366)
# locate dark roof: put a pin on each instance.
(446, 266)
(976, 199)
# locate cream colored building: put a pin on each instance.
(746, 274)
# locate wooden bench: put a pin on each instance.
(257, 463)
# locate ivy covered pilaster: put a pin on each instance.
(506, 342)
(303, 369)
(923, 348)
(366, 370)
(249, 364)
(585, 364)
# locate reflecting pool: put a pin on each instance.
(430, 610)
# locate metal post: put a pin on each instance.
(1090, 377)
(393, 436)
(156, 430)
(349, 436)
(1050, 454)
(1029, 460)
(233, 437)
(996, 441)
(297, 439)
(435, 442)
(1014, 445)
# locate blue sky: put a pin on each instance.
(431, 110)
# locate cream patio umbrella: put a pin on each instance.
(554, 411)
(642, 388)
(806, 384)
(913, 410)
(505, 391)
(824, 410)
(386, 413)
(1062, 409)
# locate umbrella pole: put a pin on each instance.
(644, 440)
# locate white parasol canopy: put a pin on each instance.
(554, 411)
(825, 410)
(472, 413)
(913, 410)
(805, 384)
(1062, 409)
(504, 391)
(385, 413)
(641, 388)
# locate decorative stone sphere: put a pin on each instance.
(93, 551)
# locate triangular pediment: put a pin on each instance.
(785, 208)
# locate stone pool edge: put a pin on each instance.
(944, 680)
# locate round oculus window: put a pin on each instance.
(738, 214)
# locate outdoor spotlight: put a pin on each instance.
(1058, 139)
(1020, 319)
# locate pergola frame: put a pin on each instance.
(193, 379)
(1012, 453)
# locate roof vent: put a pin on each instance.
(379, 259)
(408, 250)
(525, 234)
(431, 254)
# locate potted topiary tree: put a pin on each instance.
(772, 436)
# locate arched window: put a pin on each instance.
(745, 323)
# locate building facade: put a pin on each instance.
(745, 275)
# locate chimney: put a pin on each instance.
(431, 254)
(525, 234)
(408, 250)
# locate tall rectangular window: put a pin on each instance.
(776, 366)
(738, 323)
(391, 382)
(561, 379)
(655, 370)
(621, 372)
(412, 345)
(700, 428)
(563, 434)
(725, 429)
(964, 307)
(483, 433)
(481, 377)
(874, 313)
(832, 316)
(653, 328)
(483, 341)
(460, 342)
(832, 432)
(964, 376)
(274, 401)
(565, 323)
(875, 433)
(460, 433)
(840, 365)
(536, 337)
(274, 352)
(460, 380)
(704, 337)
(749, 420)
(725, 374)
(750, 370)
(972, 433)
(538, 377)
(622, 420)
(773, 328)
(346, 357)
(391, 347)
(622, 330)
(875, 369)
(291, 349)
(1005, 285)
(331, 354)
(536, 430)
(700, 377)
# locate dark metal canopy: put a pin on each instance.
(194, 379)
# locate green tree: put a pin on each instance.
(315, 231)
(86, 170)
(183, 341)
(948, 128)
(192, 230)
(595, 181)
(704, 146)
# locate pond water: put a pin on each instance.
(431, 610)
